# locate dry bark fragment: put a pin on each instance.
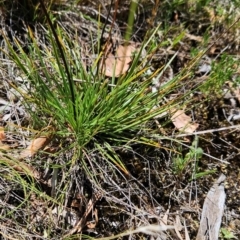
(212, 211)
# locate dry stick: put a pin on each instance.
(81, 223)
(207, 131)
(151, 229)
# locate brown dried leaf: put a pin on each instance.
(20, 166)
(116, 66)
(124, 53)
(2, 134)
(4, 146)
(193, 37)
(27, 169)
(92, 224)
(33, 147)
(2, 137)
(183, 122)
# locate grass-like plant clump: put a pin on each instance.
(109, 120)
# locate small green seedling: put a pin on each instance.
(190, 161)
(226, 234)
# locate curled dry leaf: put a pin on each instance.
(20, 166)
(27, 170)
(34, 146)
(119, 64)
(2, 138)
(124, 53)
(30, 151)
(2, 134)
(194, 38)
(4, 147)
(17, 165)
(183, 122)
(92, 224)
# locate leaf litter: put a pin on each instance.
(183, 122)
(118, 64)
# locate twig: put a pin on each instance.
(81, 223)
(207, 131)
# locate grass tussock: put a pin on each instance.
(89, 144)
